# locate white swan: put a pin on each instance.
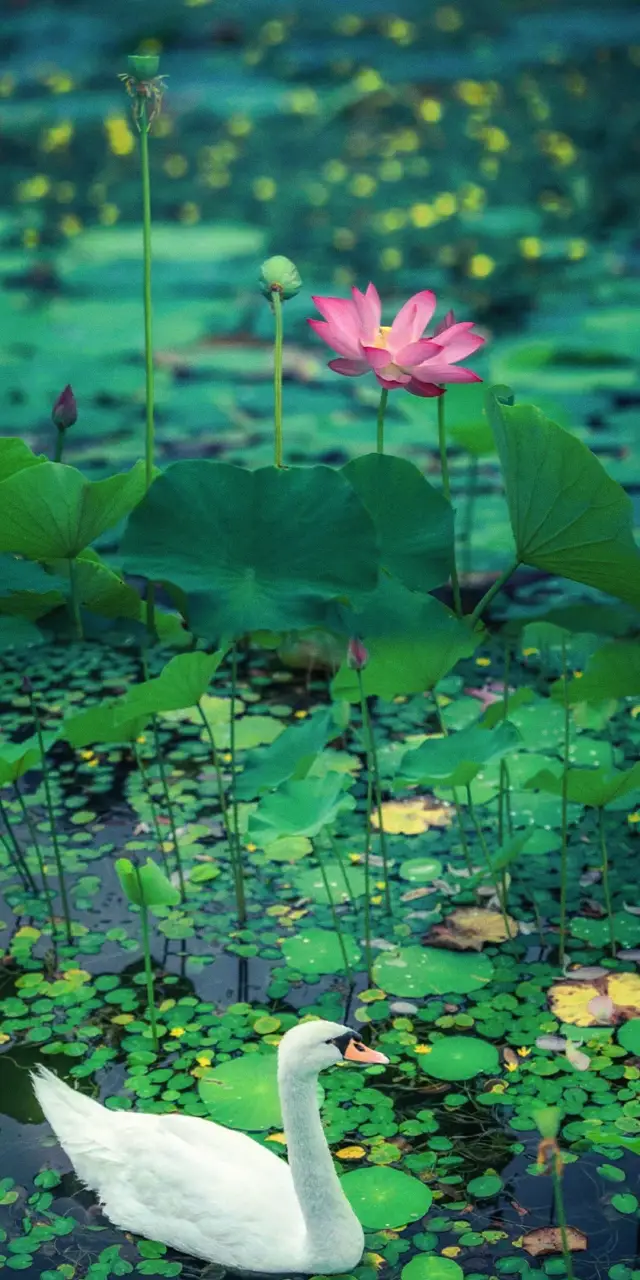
(215, 1193)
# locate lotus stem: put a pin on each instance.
(238, 872)
(343, 870)
(276, 302)
(564, 806)
(152, 807)
(446, 489)
(367, 880)
(384, 396)
(169, 804)
(36, 844)
(374, 770)
(59, 446)
(234, 853)
(493, 591)
(14, 852)
(73, 599)
(605, 881)
(143, 125)
(483, 845)
(472, 489)
(463, 835)
(562, 1220)
(148, 970)
(52, 822)
(334, 916)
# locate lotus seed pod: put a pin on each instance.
(144, 66)
(280, 275)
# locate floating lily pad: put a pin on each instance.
(384, 1199)
(310, 884)
(431, 1267)
(422, 971)
(243, 1093)
(460, 1058)
(420, 870)
(319, 951)
(485, 1187)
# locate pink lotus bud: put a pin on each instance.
(357, 655)
(65, 409)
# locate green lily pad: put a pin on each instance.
(625, 1202)
(422, 971)
(319, 951)
(485, 1187)
(243, 1092)
(310, 884)
(431, 1267)
(253, 550)
(629, 1035)
(460, 1058)
(420, 870)
(384, 1199)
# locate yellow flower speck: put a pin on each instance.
(512, 1066)
(422, 1048)
(204, 1060)
(176, 1032)
(523, 1052)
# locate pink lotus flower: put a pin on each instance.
(399, 354)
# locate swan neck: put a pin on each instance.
(322, 1202)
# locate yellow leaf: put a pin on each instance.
(4, 1037)
(570, 1002)
(166, 1004)
(468, 928)
(277, 1137)
(121, 1019)
(27, 931)
(624, 989)
(351, 1153)
(412, 817)
(451, 1251)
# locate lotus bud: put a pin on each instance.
(280, 275)
(65, 409)
(144, 66)
(357, 655)
(26, 686)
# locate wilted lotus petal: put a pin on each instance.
(403, 1006)
(633, 911)
(587, 973)
(589, 877)
(632, 954)
(581, 1061)
(602, 1008)
(555, 1044)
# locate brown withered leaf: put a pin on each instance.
(468, 928)
(545, 1240)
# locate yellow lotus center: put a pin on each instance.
(380, 339)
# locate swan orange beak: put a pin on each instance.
(358, 1052)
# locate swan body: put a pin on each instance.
(215, 1193)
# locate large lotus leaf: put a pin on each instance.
(612, 672)
(243, 1092)
(413, 520)
(460, 1058)
(181, 683)
(416, 971)
(17, 633)
(148, 886)
(51, 512)
(268, 549)
(597, 787)
(27, 590)
(455, 761)
(16, 758)
(384, 1198)
(16, 456)
(300, 808)
(102, 724)
(413, 642)
(430, 1266)
(290, 756)
(568, 516)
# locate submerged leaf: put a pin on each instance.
(545, 1240)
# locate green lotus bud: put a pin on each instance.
(547, 1121)
(144, 66)
(280, 275)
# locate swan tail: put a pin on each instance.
(84, 1129)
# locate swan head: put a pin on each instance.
(312, 1046)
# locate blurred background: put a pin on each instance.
(487, 149)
